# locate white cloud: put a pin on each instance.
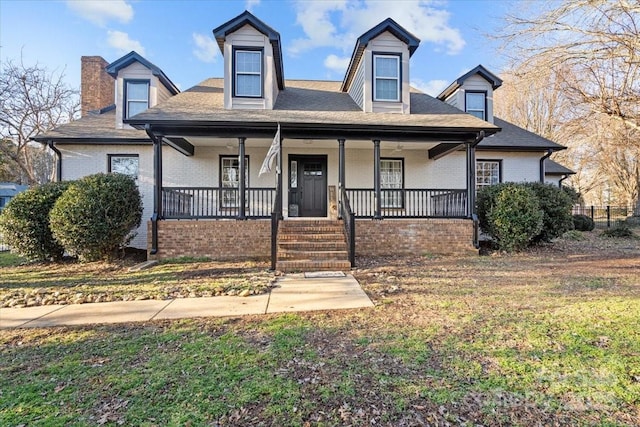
(122, 43)
(206, 48)
(250, 4)
(432, 87)
(337, 63)
(315, 20)
(101, 11)
(420, 17)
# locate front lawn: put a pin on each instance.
(549, 337)
(74, 283)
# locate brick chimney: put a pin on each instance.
(97, 88)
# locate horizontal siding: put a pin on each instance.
(356, 91)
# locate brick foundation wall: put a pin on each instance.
(97, 87)
(218, 240)
(414, 236)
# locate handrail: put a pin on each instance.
(276, 215)
(349, 225)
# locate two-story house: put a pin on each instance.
(364, 166)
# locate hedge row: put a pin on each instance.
(90, 218)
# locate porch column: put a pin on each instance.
(157, 188)
(279, 172)
(241, 183)
(341, 172)
(471, 180)
(376, 180)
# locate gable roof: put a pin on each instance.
(388, 24)
(247, 18)
(132, 57)
(554, 168)
(513, 137)
(480, 70)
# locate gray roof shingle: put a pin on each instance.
(94, 126)
(554, 168)
(307, 101)
(514, 137)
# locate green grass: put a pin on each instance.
(530, 339)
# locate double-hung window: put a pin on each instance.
(126, 164)
(386, 78)
(488, 173)
(230, 179)
(248, 73)
(136, 97)
(391, 182)
(475, 104)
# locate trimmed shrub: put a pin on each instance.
(583, 223)
(510, 214)
(24, 223)
(556, 207)
(96, 215)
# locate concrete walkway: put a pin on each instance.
(292, 292)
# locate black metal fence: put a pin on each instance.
(409, 203)
(605, 216)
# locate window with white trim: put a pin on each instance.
(229, 178)
(136, 97)
(475, 104)
(386, 78)
(487, 173)
(126, 164)
(248, 73)
(391, 178)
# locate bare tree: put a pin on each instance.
(591, 48)
(32, 101)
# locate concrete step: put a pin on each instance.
(312, 265)
(312, 255)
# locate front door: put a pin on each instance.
(308, 186)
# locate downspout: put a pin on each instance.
(58, 160)
(565, 176)
(542, 159)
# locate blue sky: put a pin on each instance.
(317, 36)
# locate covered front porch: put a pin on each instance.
(313, 177)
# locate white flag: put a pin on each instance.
(267, 164)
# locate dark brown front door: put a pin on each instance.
(308, 185)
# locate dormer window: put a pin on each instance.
(386, 78)
(136, 97)
(247, 73)
(476, 104)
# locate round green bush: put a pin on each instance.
(24, 223)
(583, 223)
(97, 215)
(556, 207)
(510, 214)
